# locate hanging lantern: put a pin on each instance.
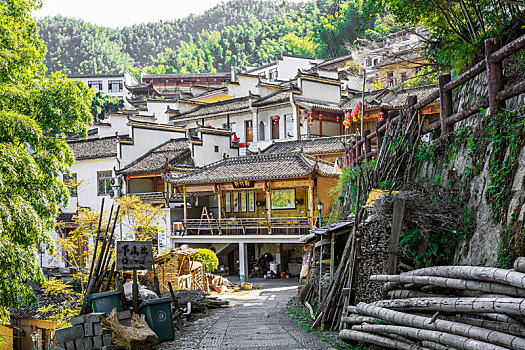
(355, 119)
(265, 185)
(276, 119)
(381, 119)
(430, 110)
(309, 113)
(348, 115)
(175, 190)
(310, 124)
(320, 116)
(366, 116)
(310, 118)
(214, 188)
(337, 119)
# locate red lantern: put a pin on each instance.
(366, 116)
(337, 119)
(214, 188)
(175, 190)
(265, 185)
(381, 114)
(310, 124)
(310, 113)
(381, 119)
(430, 110)
(276, 118)
(320, 116)
(310, 118)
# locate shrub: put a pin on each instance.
(208, 258)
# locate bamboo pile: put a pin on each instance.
(444, 307)
(100, 270)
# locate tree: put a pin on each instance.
(104, 104)
(140, 220)
(35, 114)
(208, 258)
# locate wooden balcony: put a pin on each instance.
(151, 197)
(248, 226)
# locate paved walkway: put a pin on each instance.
(256, 320)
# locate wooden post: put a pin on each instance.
(135, 292)
(320, 269)
(219, 194)
(311, 203)
(397, 221)
(391, 115)
(411, 101)
(185, 204)
(445, 101)
(495, 79)
(269, 209)
(332, 256)
(379, 136)
(358, 148)
(368, 143)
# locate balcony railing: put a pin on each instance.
(151, 197)
(248, 226)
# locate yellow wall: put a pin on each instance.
(211, 99)
(398, 69)
(6, 333)
(324, 187)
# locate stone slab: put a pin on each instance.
(69, 333)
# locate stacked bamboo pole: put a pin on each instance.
(443, 317)
(99, 270)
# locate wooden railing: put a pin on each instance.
(497, 95)
(151, 197)
(246, 226)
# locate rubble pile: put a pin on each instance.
(200, 301)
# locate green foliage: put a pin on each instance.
(507, 134)
(208, 258)
(35, 114)
(104, 104)
(347, 185)
(61, 313)
(457, 29)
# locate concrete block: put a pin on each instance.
(69, 333)
(94, 317)
(126, 322)
(97, 342)
(88, 343)
(88, 329)
(97, 329)
(70, 345)
(77, 320)
(106, 339)
(109, 347)
(60, 347)
(123, 315)
(79, 344)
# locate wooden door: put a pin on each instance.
(275, 130)
(248, 126)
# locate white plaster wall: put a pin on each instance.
(205, 154)
(319, 91)
(353, 82)
(158, 110)
(144, 140)
(246, 84)
(105, 80)
(265, 117)
(118, 124)
(328, 74)
(289, 66)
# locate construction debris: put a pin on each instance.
(136, 337)
(200, 301)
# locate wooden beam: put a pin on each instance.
(397, 222)
(185, 203)
(219, 194)
(445, 107)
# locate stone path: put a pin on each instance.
(257, 320)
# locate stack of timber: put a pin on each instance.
(444, 307)
(180, 268)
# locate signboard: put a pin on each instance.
(134, 255)
(243, 184)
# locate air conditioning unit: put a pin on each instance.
(115, 192)
(116, 181)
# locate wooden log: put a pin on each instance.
(435, 346)
(466, 76)
(500, 318)
(429, 99)
(453, 283)
(368, 144)
(442, 338)
(397, 222)
(110, 277)
(495, 80)
(405, 294)
(488, 274)
(456, 328)
(509, 49)
(358, 319)
(507, 306)
(445, 98)
(349, 334)
(97, 238)
(514, 90)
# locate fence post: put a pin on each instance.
(368, 143)
(357, 148)
(445, 103)
(379, 136)
(397, 222)
(411, 101)
(495, 80)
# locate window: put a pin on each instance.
(248, 126)
(243, 202)
(115, 85)
(273, 74)
(260, 132)
(217, 149)
(95, 84)
(235, 202)
(275, 130)
(251, 201)
(368, 62)
(390, 78)
(376, 61)
(227, 202)
(71, 183)
(403, 76)
(104, 182)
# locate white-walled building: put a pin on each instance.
(283, 67)
(110, 84)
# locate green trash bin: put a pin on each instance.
(159, 318)
(105, 301)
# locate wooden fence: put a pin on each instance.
(497, 95)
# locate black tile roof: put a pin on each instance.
(257, 167)
(274, 97)
(65, 217)
(175, 153)
(321, 145)
(94, 148)
(389, 98)
(322, 105)
(240, 104)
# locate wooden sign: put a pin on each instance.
(134, 255)
(243, 184)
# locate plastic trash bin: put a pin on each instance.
(105, 301)
(159, 318)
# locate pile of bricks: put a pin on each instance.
(86, 333)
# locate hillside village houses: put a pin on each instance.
(238, 163)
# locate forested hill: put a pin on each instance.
(235, 33)
(75, 46)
